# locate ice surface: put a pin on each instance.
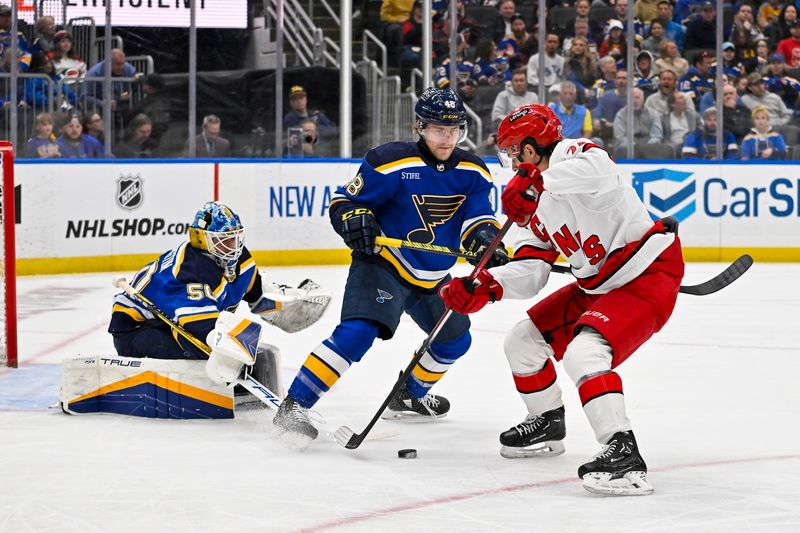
(713, 398)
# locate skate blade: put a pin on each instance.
(631, 484)
(410, 416)
(543, 449)
(291, 439)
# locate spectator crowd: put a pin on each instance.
(585, 79)
(586, 73)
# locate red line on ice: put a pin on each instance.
(65, 342)
(413, 506)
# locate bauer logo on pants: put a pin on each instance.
(666, 193)
(129, 192)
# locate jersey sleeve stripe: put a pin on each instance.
(531, 252)
(131, 312)
(399, 164)
(197, 318)
(221, 287)
(466, 165)
(145, 277)
(179, 259)
(469, 225)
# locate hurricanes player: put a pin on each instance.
(569, 198)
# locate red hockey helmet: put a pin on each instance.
(534, 124)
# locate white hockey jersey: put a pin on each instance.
(589, 214)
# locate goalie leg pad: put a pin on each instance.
(151, 388)
(266, 371)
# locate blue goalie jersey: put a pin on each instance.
(189, 288)
(417, 198)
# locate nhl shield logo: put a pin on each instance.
(129, 192)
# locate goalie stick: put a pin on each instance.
(352, 440)
(733, 272)
(266, 396)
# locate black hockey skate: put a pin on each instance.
(536, 436)
(291, 425)
(618, 469)
(403, 405)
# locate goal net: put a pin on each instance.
(8, 282)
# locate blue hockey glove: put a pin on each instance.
(482, 239)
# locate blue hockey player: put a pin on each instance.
(197, 285)
(428, 192)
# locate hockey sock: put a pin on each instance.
(539, 390)
(436, 361)
(330, 360)
(604, 405)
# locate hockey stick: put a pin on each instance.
(718, 282)
(432, 248)
(266, 396)
(733, 272)
(352, 440)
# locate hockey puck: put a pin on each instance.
(409, 453)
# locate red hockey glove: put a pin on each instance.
(463, 297)
(521, 197)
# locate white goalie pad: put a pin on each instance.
(292, 309)
(152, 388)
(266, 371)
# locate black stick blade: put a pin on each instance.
(721, 280)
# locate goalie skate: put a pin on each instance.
(618, 470)
(404, 406)
(536, 436)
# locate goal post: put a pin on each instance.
(8, 272)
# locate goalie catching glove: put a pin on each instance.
(291, 309)
(233, 343)
(465, 297)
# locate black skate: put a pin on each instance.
(536, 436)
(618, 469)
(291, 425)
(403, 405)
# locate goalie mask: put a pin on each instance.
(218, 231)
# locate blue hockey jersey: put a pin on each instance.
(416, 198)
(189, 288)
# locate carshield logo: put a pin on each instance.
(666, 193)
